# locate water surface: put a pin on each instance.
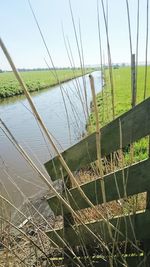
(17, 115)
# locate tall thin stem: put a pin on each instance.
(109, 62)
(146, 48)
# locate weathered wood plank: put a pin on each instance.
(79, 235)
(137, 179)
(135, 124)
(68, 220)
(132, 261)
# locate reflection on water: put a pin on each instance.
(17, 115)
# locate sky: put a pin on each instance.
(20, 34)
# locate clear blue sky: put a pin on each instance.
(21, 36)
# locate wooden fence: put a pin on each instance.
(133, 229)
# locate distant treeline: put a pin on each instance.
(40, 69)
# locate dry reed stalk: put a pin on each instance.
(101, 61)
(72, 64)
(129, 26)
(6, 252)
(80, 58)
(51, 60)
(133, 96)
(74, 111)
(146, 61)
(106, 94)
(109, 61)
(100, 165)
(134, 65)
(146, 47)
(71, 221)
(137, 39)
(98, 133)
(78, 86)
(124, 184)
(64, 102)
(83, 67)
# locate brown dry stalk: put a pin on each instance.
(98, 133)
(100, 165)
(109, 61)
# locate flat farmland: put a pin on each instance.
(35, 80)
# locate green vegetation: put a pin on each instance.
(122, 94)
(35, 80)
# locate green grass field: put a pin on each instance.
(35, 80)
(122, 94)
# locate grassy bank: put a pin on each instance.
(122, 94)
(35, 80)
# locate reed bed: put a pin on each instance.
(26, 243)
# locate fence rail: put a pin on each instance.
(128, 181)
(134, 125)
(78, 235)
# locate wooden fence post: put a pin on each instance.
(133, 103)
(68, 220)
(147, 242)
